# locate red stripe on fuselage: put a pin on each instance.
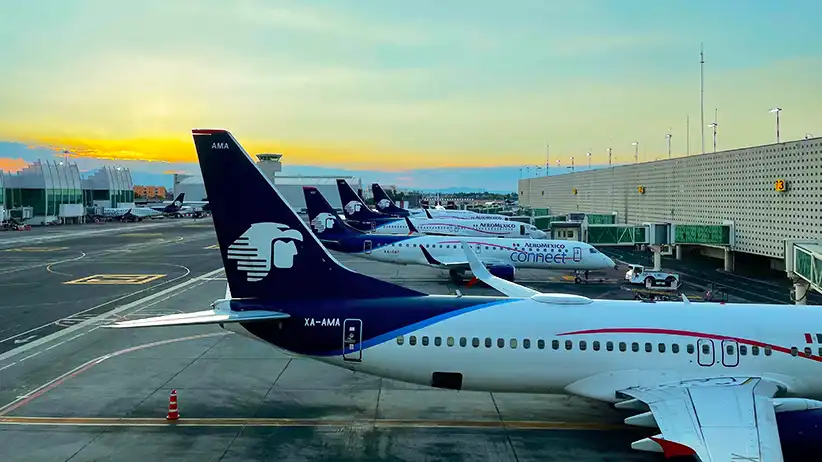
(808, 338)
(466, 227)
(688, 333)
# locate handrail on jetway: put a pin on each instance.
(803, 260)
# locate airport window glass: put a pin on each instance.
(648, 347)
(437, 341)
(661, 347)
(569, 344)
(596, 345)
(526, 343)
(808, 351)
(412, 340)
(755, 350)
(622, 346)
(475, 342)
(690, 349)
(500, 343)
(582, 345)
(609, 345)
(450, 341)
(488, 342)
(400, 340)
(555, 344)
(675, 348)
(768, 351)
(424, 340)
(513, 343)
(541, 344)
(634, 347)
(463, 341)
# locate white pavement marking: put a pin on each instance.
(92, 321)
(58, 236)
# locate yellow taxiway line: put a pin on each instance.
(279, 422)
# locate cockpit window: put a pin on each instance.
(592, 250)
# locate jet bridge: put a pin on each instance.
(803, 263)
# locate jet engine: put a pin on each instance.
(800, 432)
(502, 271)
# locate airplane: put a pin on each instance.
(129, 214)
(387, 206)
(721, 382)
(502, 256)
(361, 217)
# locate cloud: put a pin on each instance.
(12, 165)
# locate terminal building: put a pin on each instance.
(47, 192)
(762, 201)
(290, 186)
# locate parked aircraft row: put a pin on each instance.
(502, 256)
(387, 206)
(175, 208)
(722, 382)
(361, 217)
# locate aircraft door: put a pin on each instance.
(730, 353)
(522, 230)
(705, 352)
(577, 254)
(478, 249)
(373, 226)
(352, 340)
(366, 246)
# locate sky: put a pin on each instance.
(411, 92)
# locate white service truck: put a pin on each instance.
(638, 274)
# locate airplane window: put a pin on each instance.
(486, 247)
(794, 351)
(818, 338)
(463, 341)
(400, 340)
(743, 350)
(555, 344)
(661, 348)
(675, 348)
(768, 351)
(622, 346)
(450, 341)
(808, 351)
(488, 342)
(513, 343)
(609, 345)
(690, 349)
(412, 340)
(437, 341)
(569, 344)
(705, 349)
(415, 245)
(582, 345)
(755, 350)
(635, 347)
(541, 344)
(500, 343)
(648, 347)
(526, 343)
(475, 342)
(596, 345)
(729, 349)
(820, 351)
(424, 340)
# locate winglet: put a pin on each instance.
(429, 258)
(506, 287)
(428, 214)
(685, 299)
(411, 228)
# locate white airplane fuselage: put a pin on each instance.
(537, 347)
(463, 227)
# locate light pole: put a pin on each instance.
(668, 139)
(572, 163)
(589, 159)
(609, 157)
(777, 110)
(635, 144)
(559, 164)
(520, 173)
(714, 125)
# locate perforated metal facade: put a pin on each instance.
(737, 185)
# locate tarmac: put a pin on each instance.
(70, 390)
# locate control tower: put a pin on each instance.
(270, 164)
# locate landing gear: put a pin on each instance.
(456, 276)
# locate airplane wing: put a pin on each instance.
(718, 419)
(508, 288)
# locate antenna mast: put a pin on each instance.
(702, 94)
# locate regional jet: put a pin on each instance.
(722, 382)
(387, 206)
(501, 256)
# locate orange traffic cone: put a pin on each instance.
(173, 413)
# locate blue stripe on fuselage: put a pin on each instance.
(382, 319)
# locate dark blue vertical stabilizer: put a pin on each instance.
(323, 219)
(385, 204)
(354, 208)
(268, 251)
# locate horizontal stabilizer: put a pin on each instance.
(506, 287)
(201, 317)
